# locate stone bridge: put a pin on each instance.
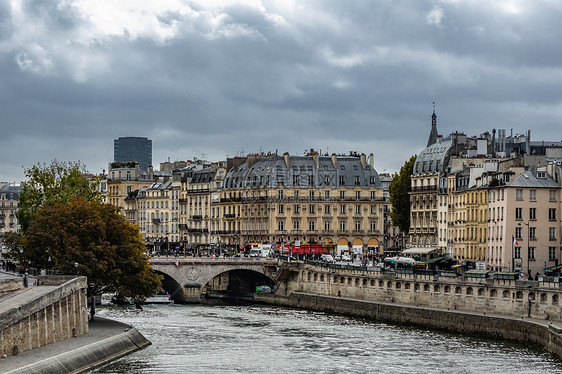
(188, 279)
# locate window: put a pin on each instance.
(532, 213)
(517, 252)
(518, 213)
(342, 195)
(551, 253)
(296, 225)
(552, 214)
(326, 194)
(342, 225)
(295, 180)
(342, 209)
(281, 208)
(312, 226)
(533, 195)
(373, 195)
(518, 194)
(326, 209)
(327, 179)
(281, 225)
(342, 180)
(552, 233)
(357, 225)
(373, 225)
(357, 195)
(357, 209)
(373, 209)
(357, 180)
(297, 209)
(552, 195)
(518, 232)
(532, 232)
(531, 253)
(311, 180)
(327, 225)
(311, 194)
(296, 194)
(311, 209)
(280, 193)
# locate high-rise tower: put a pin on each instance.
(133, 149)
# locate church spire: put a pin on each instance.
(433, 134)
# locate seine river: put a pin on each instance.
(265, 339)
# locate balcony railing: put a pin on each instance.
(424, 189)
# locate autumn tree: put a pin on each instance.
(399, 194)
(93, 239)
(58, 182)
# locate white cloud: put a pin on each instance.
(435, 16)
(35, 59)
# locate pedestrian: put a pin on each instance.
(25, 280)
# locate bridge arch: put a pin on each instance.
(195, 277)
(170, 285)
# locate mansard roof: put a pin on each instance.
(528, 179)
(272, 171)
(11, 191)
(203, 176)
(433, 159)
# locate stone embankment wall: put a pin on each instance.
(542, 334)
(11, 284)
(504, 297)
(43, 315)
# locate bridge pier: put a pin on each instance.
(191, 293)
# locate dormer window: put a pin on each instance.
(541, 174)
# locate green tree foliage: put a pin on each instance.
(93, 239)
(399, 190)
(57, 182)
(13, 241)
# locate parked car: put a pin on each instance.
(327, 258)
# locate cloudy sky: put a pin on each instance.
(213, 79)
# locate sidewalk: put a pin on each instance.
(106, 341)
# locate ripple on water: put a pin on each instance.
(262, 339)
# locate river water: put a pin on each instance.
(266, 339)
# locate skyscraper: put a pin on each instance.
(133, 149)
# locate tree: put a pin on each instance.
(14, 242)
(57, 182)
(93, 239)
(399, 190)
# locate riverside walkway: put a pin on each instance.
(78, 353)
(104, 341)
